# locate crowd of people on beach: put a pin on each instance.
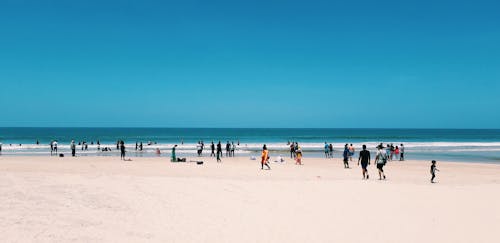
(383, 155)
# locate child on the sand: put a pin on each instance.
(433, 171)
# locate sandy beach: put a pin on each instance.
(103, 199)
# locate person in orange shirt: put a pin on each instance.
(265, 158)
(298, 160)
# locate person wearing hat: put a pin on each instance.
(380, 161)
(433, 171)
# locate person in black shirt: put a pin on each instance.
(212, 146)
(121, 145)
(364, 158)
(433, 171)
(219, 149)
(228, 149)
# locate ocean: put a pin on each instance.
(468, 145)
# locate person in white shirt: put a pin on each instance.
(380, 161)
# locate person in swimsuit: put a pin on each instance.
(364, 158)
(122, 150)
(298, 159)
(265, 158)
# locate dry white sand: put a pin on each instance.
(102, 199)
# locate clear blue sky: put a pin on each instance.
(376, 64)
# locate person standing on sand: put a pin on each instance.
(380, 161)
(136, 146)
(433, 171)
(233, 147)
(228, 149)
(265, 158)
(292, 150)
(173, 158)
(402, 153)
(198, 148)
(73, 148)
(51, 147)
(55, 147)
(219, 149)
(330, 147)
(298, 157)
(346, 156)
(218, 156)
(212, 147)
(0, 147)
(364, 158)
(351, 152)
(327, 150)
(122, 149)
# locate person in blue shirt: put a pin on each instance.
(346, 155)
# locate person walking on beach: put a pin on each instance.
(122, 150)
(292, 150)
(55, 147)
(218, 156)
(351, 152)
(51, 147)
(198, 148)
(380, 161)
(364, 158)
(219, 149)
(402, 153)
(298, 156)
(388, 152)
(265, 158)
(173, 158)
(136, 146)
(228, 149)
(233, 147)
(433, 171)
(346, 157)
(327, 150)
(330, 147)
(73, 148)
(0, 147)
(212, 147)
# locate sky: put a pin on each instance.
(304, 64)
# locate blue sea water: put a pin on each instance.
(471, 145)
